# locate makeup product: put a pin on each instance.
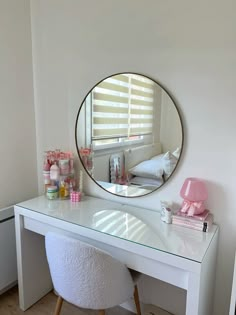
(54, 172)
(52, 192)
(166, 215)
(75, 196)
(64, 166)
(64, 190)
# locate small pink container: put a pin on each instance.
(75, 196)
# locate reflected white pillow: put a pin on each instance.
(158, 157)
(169, 163)
(148, 168)
(176, 153)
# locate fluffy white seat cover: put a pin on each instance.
(86, 276)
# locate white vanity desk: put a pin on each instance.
(179, 256)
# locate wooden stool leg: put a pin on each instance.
(136, 300)
(101, 312)
(58, 305)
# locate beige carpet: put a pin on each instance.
(9, 306)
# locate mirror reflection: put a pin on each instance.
(129, 135)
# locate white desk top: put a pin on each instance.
(130, 223)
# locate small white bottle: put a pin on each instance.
(164, 205)
(54, 172)
(166, 215)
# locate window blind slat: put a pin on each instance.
(107, 120)
(114, 87)
(140, 120)
(140, 131)
(140, 102)
(120, 77)
(144, 84)
(140, 112)
(110, 98)
(109, 109)
(99, 133)
(141, 93)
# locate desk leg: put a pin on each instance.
(192, 302)
(34, 279)
(201, 286)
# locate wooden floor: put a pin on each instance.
(9, 306)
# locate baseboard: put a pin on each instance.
(147, 309)
(8, 287)
(129, 305)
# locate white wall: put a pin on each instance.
(189, 47)
(18, 180)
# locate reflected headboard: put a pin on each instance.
(138, 154)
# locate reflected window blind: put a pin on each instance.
(122, 106)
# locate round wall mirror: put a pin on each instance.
(129, 134)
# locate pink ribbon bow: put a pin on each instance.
(192, 207)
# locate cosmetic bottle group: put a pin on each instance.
(58, 173)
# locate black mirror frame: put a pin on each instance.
(182, 133)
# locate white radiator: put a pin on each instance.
(8, 269)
